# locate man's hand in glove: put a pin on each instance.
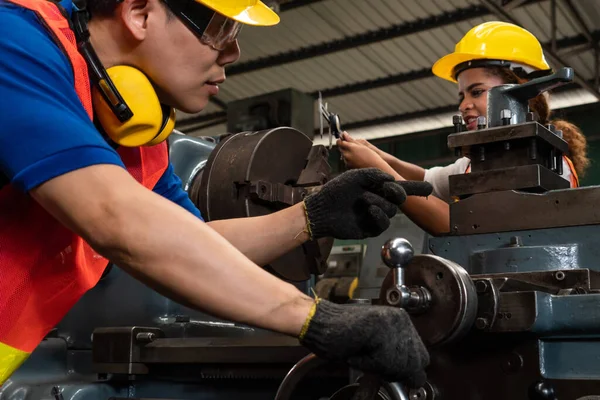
(359, 204)
(374, 339)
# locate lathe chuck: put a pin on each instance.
(251, 174)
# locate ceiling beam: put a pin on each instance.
(293, 4)
(362, 39)
(568, 46)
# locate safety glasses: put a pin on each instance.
(213, 29)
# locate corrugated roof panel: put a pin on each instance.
(385, 10)
(345, 19)
(583, 64)
(536, 19)
(403, 53)
(416, 9)
(393, 56)
(447, 5)
(334, 19)
(590, 12)
(296, 29)
(378, 56)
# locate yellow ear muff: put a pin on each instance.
(151, 123)
(168, 126)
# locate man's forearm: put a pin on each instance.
(263, 239)
(168, 248)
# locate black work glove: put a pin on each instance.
(359, 204)
(374, 339)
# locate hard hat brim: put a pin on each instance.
(444, 67)
(259, 14)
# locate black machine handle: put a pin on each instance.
(535, 87)
(510, 103)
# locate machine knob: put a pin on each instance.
(397, 254)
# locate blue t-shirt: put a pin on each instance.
(44, 129)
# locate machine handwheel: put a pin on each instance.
(452, 305)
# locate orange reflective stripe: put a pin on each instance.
(574, 176)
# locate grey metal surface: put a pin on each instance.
(120, 300)
(253, 174)
(530, 178)
(514, 211)
(505, 368)
(579, 248)
(500, 134)
(188, 155)
(374, 269)
(515, 97)
(525, 258)
(451, 306)
(570, 358)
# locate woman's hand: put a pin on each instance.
(358, 156)
(385, 156)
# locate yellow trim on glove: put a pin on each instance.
(308, 230)
(309, 318)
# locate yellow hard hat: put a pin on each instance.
(505, 43)
(250, 12)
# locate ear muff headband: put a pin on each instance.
(131, 115)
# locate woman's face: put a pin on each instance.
(473, 85)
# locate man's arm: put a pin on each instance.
(261, 239)
(265, 238)
(174, 252)
(170, 249)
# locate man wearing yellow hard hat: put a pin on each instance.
(490, 54)
(88, 98)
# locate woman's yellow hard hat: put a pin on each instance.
(497, 41)
(250, 12)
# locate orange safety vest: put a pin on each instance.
(44, 267)
(574, 178)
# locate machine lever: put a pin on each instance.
(514, 98)
(535, 87)
(397, 254)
